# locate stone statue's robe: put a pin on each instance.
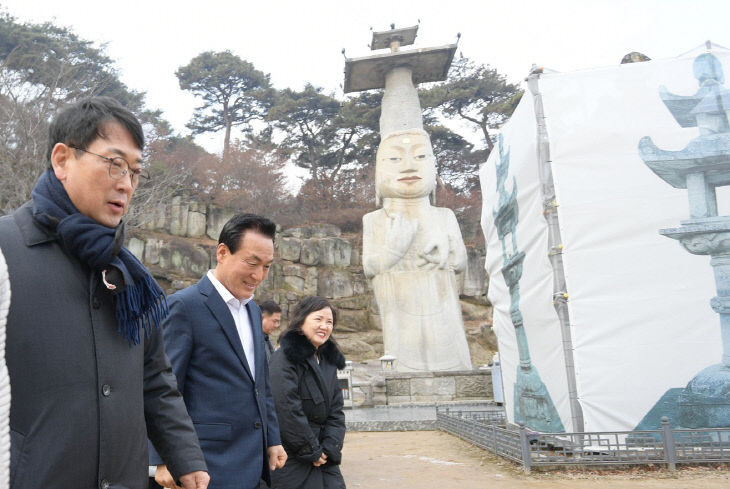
(419, 307)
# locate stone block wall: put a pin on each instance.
(319, 260)
(178, 245)
(414, 387)
(174, 261)
(185, 218)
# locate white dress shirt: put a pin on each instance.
(240, 317)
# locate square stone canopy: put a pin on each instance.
(427, 65)
(405, 36)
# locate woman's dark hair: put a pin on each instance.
(304, 308)
(82, 123)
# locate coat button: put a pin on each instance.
(95, 303)
(104, 484)
(257, 425)
(106, 389)
(256, 392)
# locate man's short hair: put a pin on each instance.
(234, 230)
(82, 123)
(269, 307)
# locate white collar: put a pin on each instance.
(225, 293)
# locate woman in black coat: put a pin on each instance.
(309, 399)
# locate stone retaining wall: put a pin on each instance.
(178, 245)
(183, 217)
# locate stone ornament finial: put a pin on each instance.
(634, 57)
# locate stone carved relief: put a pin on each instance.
(706, 244)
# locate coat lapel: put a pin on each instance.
(258, 341)
(222, 314)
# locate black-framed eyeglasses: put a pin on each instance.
(119, 167)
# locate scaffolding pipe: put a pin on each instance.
(555, 249)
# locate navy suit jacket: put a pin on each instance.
(233, 415)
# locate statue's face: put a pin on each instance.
(405, 166)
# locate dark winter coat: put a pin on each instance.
(309, 407)
(83, 400)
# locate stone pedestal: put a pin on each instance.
(415, 387)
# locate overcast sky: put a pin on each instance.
(301, 41)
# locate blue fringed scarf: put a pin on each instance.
(140, 303)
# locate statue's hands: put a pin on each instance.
(436, 253)
(399, 234)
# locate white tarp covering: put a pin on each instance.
(542, 326)
(639, 308)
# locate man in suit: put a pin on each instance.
(215, 343)
(270, 321)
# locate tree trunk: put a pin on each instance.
(227, 143)
(485, 131)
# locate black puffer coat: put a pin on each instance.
(309, 407)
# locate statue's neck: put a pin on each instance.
(406, 207)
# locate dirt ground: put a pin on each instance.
(438, 460)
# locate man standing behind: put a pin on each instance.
(270, 321)
(214, 340)
(88, 374)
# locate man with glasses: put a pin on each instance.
(120, 168)
(90, 381)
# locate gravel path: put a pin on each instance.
(437, 460)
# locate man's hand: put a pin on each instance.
(277, 457)
(195, 480)
(164, 478)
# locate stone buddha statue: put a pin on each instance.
(412, 251)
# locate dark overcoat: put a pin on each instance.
(233, 411)
(309, 405)
(83, 400)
